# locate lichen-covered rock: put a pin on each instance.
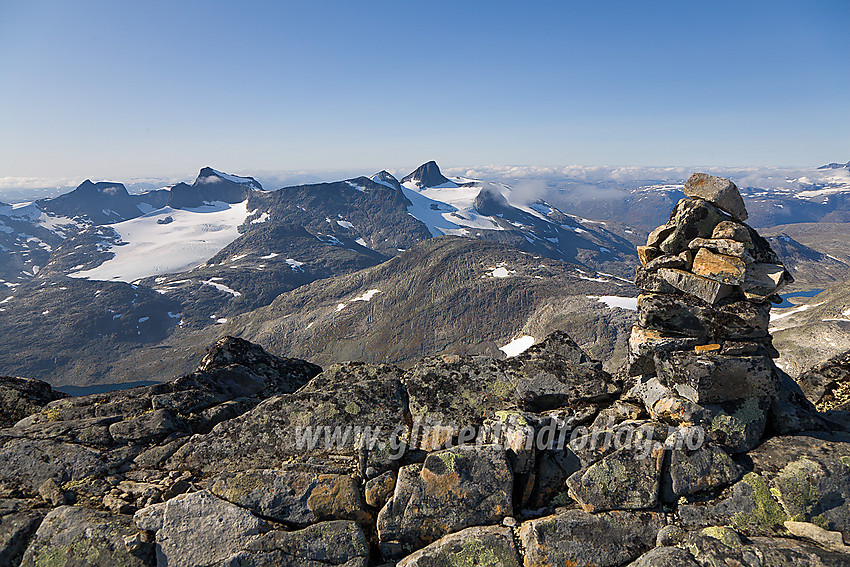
(763, 281)
(691, 218)
(320, 545)
(726, 246)
(454, 489)
(379, 489)
(708, 549)
(685, 316)
(279, 375)
(693, 471)
(665, 557)
(791, 412)
(456, 391)
(27, 463)
(301, 496)
(719, 191)
(197, 529)
(827, 384)
(21, 397)
(707, 289)
(723, 268)
(577, 538)
(736, 426)
(91, 431)
(332, 415)
(148, 428)
(491, 546)
(709, 378)
(645, 343)
(18, 523)
(76, 537)
(810, 477)
(800, 478)
(627, 479)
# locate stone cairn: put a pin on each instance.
(701, 347)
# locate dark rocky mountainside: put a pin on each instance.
(809, 267)
(449, 294)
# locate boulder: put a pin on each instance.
(197, 529)
(71, 536)
(627, 479)
(665, 557)
(279, 375)
(765, 280)
(298, 497)
(320, 545)
(148, 428)
(827, 384)
(734, 231)
(28, 463)
(379, 489)
(718, 191)
(652, 282)
(693, 471)
(577, 538)
(454, 489)
(725, 246)
(710, 549)
(645, 343)
(491, 546)
(356, 411)
(21, 397)
(17, 527)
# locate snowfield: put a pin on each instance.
(147, 248)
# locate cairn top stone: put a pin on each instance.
(719, 191)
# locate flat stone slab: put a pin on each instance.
(712, 378)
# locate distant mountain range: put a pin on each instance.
(97, 283)
(97, 273)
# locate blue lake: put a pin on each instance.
(786, 296)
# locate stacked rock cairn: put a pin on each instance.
(701, 348)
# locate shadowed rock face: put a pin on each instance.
(20, 397)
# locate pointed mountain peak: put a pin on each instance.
(384, 177)
(427, 175)
(209, 175)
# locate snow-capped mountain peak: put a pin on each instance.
(387, 179)
(209, 175)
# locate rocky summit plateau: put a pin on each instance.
(698, 451)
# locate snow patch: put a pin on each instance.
(518, 346)
(612, 301)
(221, 287)
(367, 296)
(499, 272)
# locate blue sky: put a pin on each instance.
(121, 89)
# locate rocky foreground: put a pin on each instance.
(700, 452)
